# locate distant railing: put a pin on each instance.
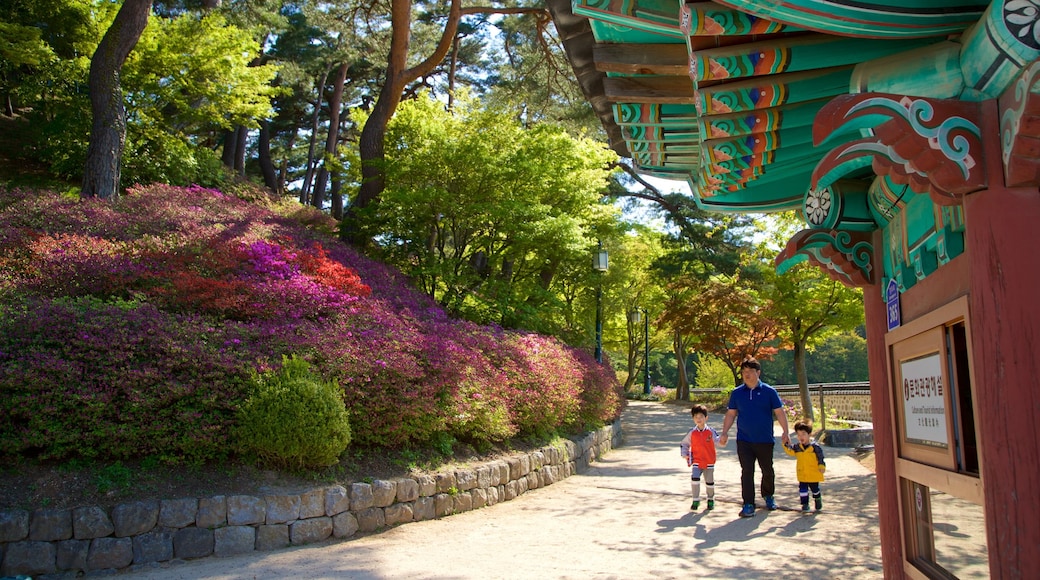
(849, 400)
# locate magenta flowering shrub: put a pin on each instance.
(130, 328)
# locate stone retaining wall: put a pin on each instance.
(146, 534)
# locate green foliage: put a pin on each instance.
(712, 373)
(487, 216)
(293, 419)
(114, 477)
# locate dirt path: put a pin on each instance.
(626, 517)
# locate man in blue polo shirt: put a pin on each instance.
(753, 405)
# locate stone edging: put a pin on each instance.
(150, 534)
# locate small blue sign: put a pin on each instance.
(892, 299)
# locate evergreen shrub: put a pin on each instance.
(293, 418)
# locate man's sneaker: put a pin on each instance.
(711, 504)
(771, 503)
(805, 507)
(696, 504)
(819, 503)
(748, 511)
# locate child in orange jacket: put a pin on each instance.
(698, 447)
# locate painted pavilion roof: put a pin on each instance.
(821, 106)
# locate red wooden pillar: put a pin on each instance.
(889, 519)
(1001, 243)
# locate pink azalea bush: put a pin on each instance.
(130, 328)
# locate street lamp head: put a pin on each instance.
(600, 261)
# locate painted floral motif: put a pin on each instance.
(817, 206)
(1023, 20)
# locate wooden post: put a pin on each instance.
(823, 410)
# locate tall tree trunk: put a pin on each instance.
(283, 166)
(335, 102)
(8, 105)
(108, 131)
(264, 158)
(682, 389)
(337, 197)
(370, 144)
(316, 120)
(227, 156)
(453, 68)
(241, 135)
(803, 379)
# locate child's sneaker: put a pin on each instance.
(771, 503)
(711, 504)
(748, 511)
(696, 504)
(805, 507)
(819, 503)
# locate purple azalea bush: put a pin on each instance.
(132, 327)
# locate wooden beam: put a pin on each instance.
(642, 59)
(654, 90)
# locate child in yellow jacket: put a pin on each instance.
(810, 464)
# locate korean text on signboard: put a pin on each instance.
(924, 401)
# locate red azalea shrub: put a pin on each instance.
(129, 328)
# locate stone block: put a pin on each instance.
(407, 490)
(192, 543)
(525, 465)
(445, 482)
(549, 474)
(312, 504)
(272, 537)
(153, 547)
(14, 525)
(398, 513)
(91, 522)
(479, 497)
(72, 554)
(112, 553)
(537, 459)
(461, 502)
(427, 485)
(29, 558)
(344, 525)
(423, 509)
(212, 512)
(514, 468)
(337, 500)
(503, 472)
(371, 519)
(131, 519)
(178, 513)
(484, 477)
(511, 491)
(521, 485)
(244, 510)
(361, 496)
(533, 481)
(282, 509)
(443, 505)
(312, 530)
(383, 492)
(233, 540)
(492, 495)
(50, 525)
(465, 479)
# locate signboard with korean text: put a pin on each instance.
(924, 401)
(922, 397)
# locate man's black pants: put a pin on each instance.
(748, 454)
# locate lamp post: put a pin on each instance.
(641, 313)
(599, 264)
